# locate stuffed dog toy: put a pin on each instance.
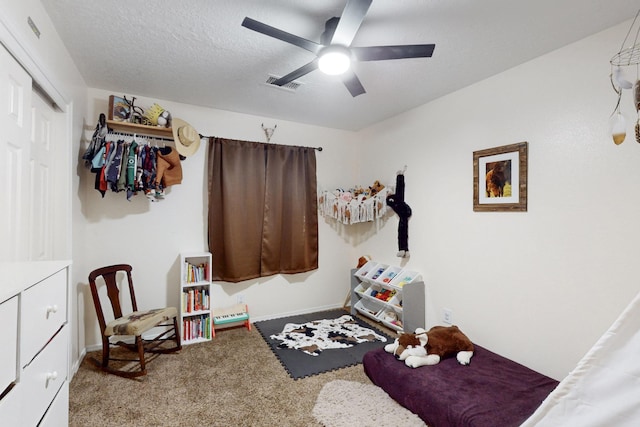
(429, 347)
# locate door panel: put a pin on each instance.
(41, 179)
(15, 122)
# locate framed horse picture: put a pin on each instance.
(119, 109)
(500, 179)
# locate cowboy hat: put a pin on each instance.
(185, 136)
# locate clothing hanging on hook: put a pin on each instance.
(128, 162)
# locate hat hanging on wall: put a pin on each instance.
(187, 139)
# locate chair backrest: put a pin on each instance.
(109, 275)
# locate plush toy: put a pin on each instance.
(164, 120)
(429, 347)
(346, 196)
(375, 188)
(392, 317)
(400, 207)
(363, 260)
(157, 116)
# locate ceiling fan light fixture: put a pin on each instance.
(333, 55)
(334, 60)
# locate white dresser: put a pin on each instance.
(34, 362)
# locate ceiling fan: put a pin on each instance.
(334, 53)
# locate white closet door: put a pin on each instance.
(15, 137)
(42, 168)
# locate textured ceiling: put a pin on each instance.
(196, 51)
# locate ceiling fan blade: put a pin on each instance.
(270, 31)
(352, 82)
(329, 30)
(380, 53)
(351, 19)
(296, 74)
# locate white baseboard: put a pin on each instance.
(295, 313)
(76, 365)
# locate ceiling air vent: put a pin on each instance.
(291, 86)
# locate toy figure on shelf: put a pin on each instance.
(157, 116)
(400, 207)
(136, 113)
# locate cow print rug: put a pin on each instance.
(313, 343)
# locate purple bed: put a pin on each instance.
(491, 392)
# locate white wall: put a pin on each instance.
(541, 286)
(150, 236)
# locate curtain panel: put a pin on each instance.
(263, 213)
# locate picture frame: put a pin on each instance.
(119, 109)
(500, 178)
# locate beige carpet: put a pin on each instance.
(347, 403)
(234, 380)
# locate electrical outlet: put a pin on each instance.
(447, 316)
(240, 298)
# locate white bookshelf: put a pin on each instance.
(195, 297)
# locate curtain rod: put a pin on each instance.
(315, 148)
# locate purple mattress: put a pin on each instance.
(490, 392)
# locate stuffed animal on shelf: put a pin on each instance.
(429, 347)
(357, 192)
(363, 260)
(157, 116)
(345, 196)
(164, 120)
(375, 188)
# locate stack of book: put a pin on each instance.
(196, 327)
(196, 273)
(195, 300)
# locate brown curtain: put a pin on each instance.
(263, 214)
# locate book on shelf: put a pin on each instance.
(195, 300)
(196, 272)
(196, 327)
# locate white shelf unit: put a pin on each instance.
(390, 295)
(195, 297)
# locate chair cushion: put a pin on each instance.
(139, 321)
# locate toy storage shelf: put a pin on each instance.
(390, 295)
(195, 302)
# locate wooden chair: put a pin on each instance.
(134, 324)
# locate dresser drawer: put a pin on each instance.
(10, 407)
(9, 340)
(43, 312)
(43, 377)
(58, 413)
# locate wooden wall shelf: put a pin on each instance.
(140, 129)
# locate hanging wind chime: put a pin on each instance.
(626, 56)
